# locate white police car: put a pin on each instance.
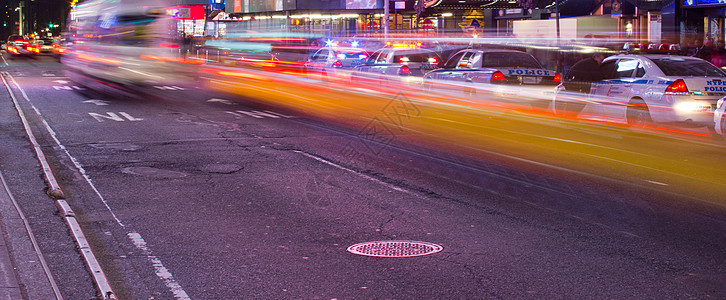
(516, 75)
(642, 89)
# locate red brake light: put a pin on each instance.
(557, 78)
(170, 46)
(404, 70)
(338, 63)
(677, 87)
(498, 76)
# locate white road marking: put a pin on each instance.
(330, 163)
(61, 81)
(169, 88)
(223, 101)
(161, 271)
(656, 182)
(260, 114)
(97, 102)
(135, 237)
(114, 117)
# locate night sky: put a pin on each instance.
(38, 14)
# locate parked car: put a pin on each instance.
(511, 75)
(642, 89)
(399, 61)
(330, 59)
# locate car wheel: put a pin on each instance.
(638, 114)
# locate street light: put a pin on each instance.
(20, 10)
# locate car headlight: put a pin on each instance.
(691, 106)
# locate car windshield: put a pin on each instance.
(415, 57)
(509, 60)
(678, 66)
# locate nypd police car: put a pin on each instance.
(499, 71)
(400, 61)
(641, 89)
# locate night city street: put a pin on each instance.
(138, 162)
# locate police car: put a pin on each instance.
(641, 89)
(399, 60)
(331, 59)
(501, 72)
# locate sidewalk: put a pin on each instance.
(22, 275)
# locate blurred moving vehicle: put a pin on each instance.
(44, 45)
(126, 44)
(330, 59)
(399, 61)
(642, 89)
(20, 46)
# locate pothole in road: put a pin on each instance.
(395, 248)
(153, 172)
(116, 146)
(221, 168)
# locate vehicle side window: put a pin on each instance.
(626, 68)
(372, 58)
(322, 54)
(640, 72)
(383, 57)
(464, 63)
(451, 63)
(475, 60)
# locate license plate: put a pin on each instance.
(427, 66)
(529, 80)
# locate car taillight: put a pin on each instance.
(677, 87)
(338, 63)
(557, 78)
(498, 76)
(404, 70)
(433, 60)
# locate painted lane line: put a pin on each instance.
(161, 271)
(43, 263)
(330, 163)
(97, 102)
(54, 190)
(76, 163)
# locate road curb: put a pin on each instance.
(94, 267)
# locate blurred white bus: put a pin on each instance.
(126, 44)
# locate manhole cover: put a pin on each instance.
(394, 248)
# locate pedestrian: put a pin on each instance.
(581, 75)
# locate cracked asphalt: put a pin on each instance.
(225, 205)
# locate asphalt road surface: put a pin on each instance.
(184, 193)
